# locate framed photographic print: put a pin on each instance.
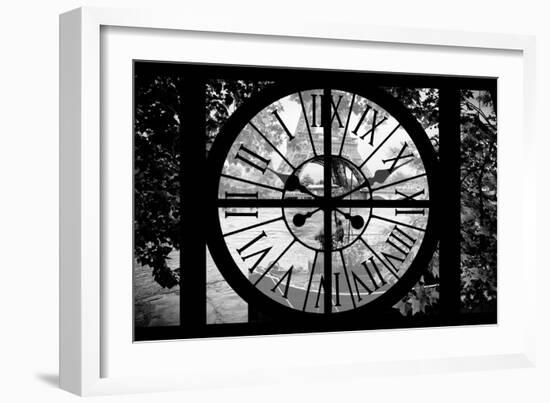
(245, 191)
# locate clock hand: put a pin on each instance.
(300, 219)
(379, 176)
(281, 176)
(382, 174)
(361, 186)
(292, 182)
(356, 221)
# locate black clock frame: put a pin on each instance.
(218, 154)
(196, 210)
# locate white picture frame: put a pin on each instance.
(85, 307)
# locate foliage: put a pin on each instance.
(424, 296)
(223, 97)
(158, 102)
(479, 201)
(423, 104)
(478, 198)
(158, 127)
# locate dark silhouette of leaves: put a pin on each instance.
(158, 127)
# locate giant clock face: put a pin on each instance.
(323, 201)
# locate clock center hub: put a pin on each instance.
(348, 222)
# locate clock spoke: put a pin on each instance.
(395, 161)
(398, 182)
(374, 189)
(386, 265)
(263, 185)
(379, 146)
(377, 217)
(347, 125)
(310, 280)
(346, 275)
(410, 196)
(277, 285)
(266, 222)
(271, 144)
(264, 203)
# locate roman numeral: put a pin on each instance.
(310, 280)
(409, 197)
(314, 110)
(399, 157)
(304, 113)
(260, 253)
(374, 124)
(347, 281)
(391, 259)
(290, 136)
(377, 281)
(321, 284)
(288, 276)
(257, 162)
(405, 240)
(335, 113)
(254, 213)
(356, 282)
(337, 288)
(400, 241)
(316, 106)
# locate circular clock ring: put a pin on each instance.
(239, 280)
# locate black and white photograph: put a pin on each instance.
(274, 200)
(300, 201)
